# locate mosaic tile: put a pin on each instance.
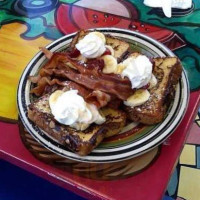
(198, 157)
(167, 198)
(172, 186)
(194, 135)
(189, 184)
(197, 119)
(188, 155)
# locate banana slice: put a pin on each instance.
(53, 97)
(153, 82)
(120, 68)
(138, 98)
(111, 49)
(101, 35)
(110, 64)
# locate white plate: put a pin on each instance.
(113, 151)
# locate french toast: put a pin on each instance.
(120, 47)
(108, 88)
(80, 142)
(168, 71)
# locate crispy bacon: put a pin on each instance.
(100, 97)
(97, 98)
(90, 78)
(46, 52)
(94, 83)
(100, 87)
(66, 85)
(43, 82)
(114, 103)
(92, 68)
(34, 79)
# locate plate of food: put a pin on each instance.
(102, 95)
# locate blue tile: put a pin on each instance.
(167, 198)
(172, 185)
(198, 157)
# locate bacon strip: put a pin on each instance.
(46, 52)
(34, 79)
(44, 82)
(63, 60)
(66, 85)
(94, 83)
(61, 66)
(100, 97)
(97, 98)
(92, 79)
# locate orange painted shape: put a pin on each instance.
(15, 53)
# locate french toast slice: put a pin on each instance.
(80, 142)
(168, 71)
(121, 48)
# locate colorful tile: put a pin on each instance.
(194, 134)
(198, 157)
(172, 186)
(197, 120)
(167, 198)
(188, 155)
(189, 184)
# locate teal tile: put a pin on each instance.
(198, 157)
(172, 185)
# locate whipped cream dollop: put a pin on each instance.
(69, 108)
(92, 45)
(138, 70)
